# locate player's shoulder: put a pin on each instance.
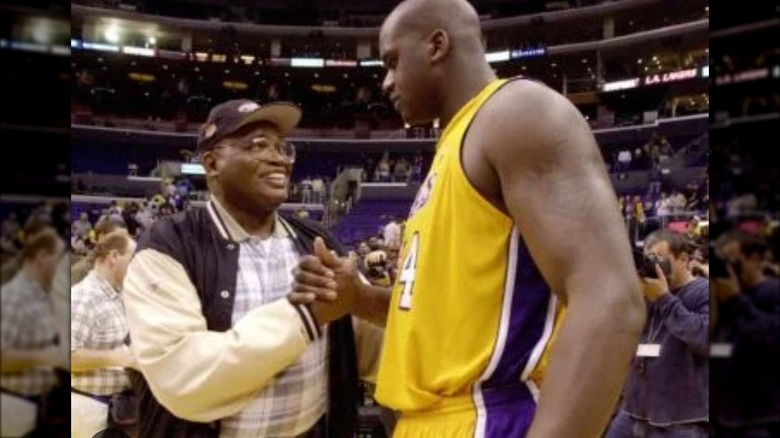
(528, 100)
(524, 113)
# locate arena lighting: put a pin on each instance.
(29, 47)
(776, 71)
(101, 47)
(620, 85)
(248, 59)
(497, 56)
(60, 50)
(111, 34)
(201, 56)
(529, 53)
(76, 44)
(307, 62)
(705, 71)
(674, 76)
(371, 63)
(340, 63)
(151, 40)
(139, 51)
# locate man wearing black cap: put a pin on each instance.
(221, 350)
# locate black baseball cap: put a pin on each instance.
(226, 118)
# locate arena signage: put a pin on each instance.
(674, 76)
(620, 85)
(307, 62)
(340, 63)
(371, 63)
(528, 53)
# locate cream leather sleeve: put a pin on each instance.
(197, 374)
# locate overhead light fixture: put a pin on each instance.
(585, 60)
(639, 61)
(553, 65)
(151, 40)
(111, 34)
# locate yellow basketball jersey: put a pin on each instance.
(471, 318)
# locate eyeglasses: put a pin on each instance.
(262, 147)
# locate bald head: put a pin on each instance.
(455, 17)
(434, 57)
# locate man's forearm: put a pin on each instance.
(587, 368)
(88, 360)
(373, 303)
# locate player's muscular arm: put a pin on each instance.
(554, 185)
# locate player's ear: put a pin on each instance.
(439, 45)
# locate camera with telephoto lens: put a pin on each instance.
(645, 265)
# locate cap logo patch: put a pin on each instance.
(210, 130)
(248, 107)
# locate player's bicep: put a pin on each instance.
(555, 186)
(567, 222)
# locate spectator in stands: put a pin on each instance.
(10, 225)
(81, 226)
(666, 394)
(307, 191)
(383, 169)
(624, 160)
(12, 265)
(78, 246)
(205, 295)
(663, 205)
(99, 336)
(144, 216)
(302, 214)
(363, 249)
(30, 353)
(318, 189)
(115, 210)
(417, 168)
(745, 384)
(81, 268)
(678, 202)
(392, 234)
(401, 170)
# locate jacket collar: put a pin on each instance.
(230, 229)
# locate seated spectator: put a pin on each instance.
(80, 269)
(383, 170)
(624, 160)
(99, 336)
(31, 229)
(10, 225)
(318, 189)
(392, 234)
(30, 352)
(81, 226)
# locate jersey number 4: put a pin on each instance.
(408, 273)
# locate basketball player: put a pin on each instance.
(517, 308)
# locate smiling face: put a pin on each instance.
(248, 169)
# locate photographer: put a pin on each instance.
(667, 390)
(745, 376)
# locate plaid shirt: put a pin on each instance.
(28, 323)
(98, 322)
(297, 397)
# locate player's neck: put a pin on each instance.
(464, 87)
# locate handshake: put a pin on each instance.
(329, 284)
